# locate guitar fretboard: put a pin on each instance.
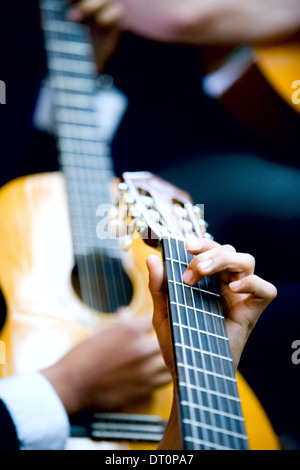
(85, 158)
(209, 403)
(84, 155)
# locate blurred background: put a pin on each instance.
(250, 185)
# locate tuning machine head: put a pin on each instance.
(127, 220)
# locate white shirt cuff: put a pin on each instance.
(38, 414)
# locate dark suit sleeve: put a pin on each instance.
(8, 435)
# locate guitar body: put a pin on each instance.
(280, 65)
(46, 318)
(260, 94)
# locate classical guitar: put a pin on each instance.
(64, 277)
(259, 86)
(48, 222)
(210, 406)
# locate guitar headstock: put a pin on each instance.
(157, 209)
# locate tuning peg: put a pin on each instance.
(147, 201)
(180, 211)
(117, 228)
(137, 225)
(123, 187)
(154, 214)
(126, 242)
(133, 211)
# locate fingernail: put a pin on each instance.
(188, 276)
(235, 285)
(205, 264)
(192, 244)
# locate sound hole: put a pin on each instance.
(101, 282)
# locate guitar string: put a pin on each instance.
(201, 347)
(225, 380)
(225, 377)
(85, 287)
(84, 269)
(48, 12)
(232, 414)
(233, 422)
(192, 349)
(189, 393)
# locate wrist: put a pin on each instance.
(65, 387)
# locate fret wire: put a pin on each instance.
(68, 48)
(211, 392)
(229, 353)
(69, 66)
(197, 288)
(63, 99)
(216, 429)
(226, 377)
(188, 319)
(224, 358)
(198, 330)
(206, 444)
(76, 117)
(79, 52)
(200, 338)
(73, 101)
(202, 311)
(184, 371)
(224, 383)
(215, 317)
(65, 83)
(234, 417)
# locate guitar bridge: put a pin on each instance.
(118, 427)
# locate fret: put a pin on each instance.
(197, 330)
(75, 132)
(235, 420)
(68, 48)
(218, 356)
(79, 85)
(81, 162)
(200, 444)
(199, 319)
(235, 400)
(206, 312)
(73, 101)
(216, 429)
(96, 179)
(83, 118)
(69, 66)
(66, 146)
(82, 200)
(84, 147)
(200, 339)
(206, 376)
(63, 27)
(206, 360)
(207, 371)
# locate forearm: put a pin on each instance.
(212, 22)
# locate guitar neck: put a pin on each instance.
(209, 404)
(84, 155)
